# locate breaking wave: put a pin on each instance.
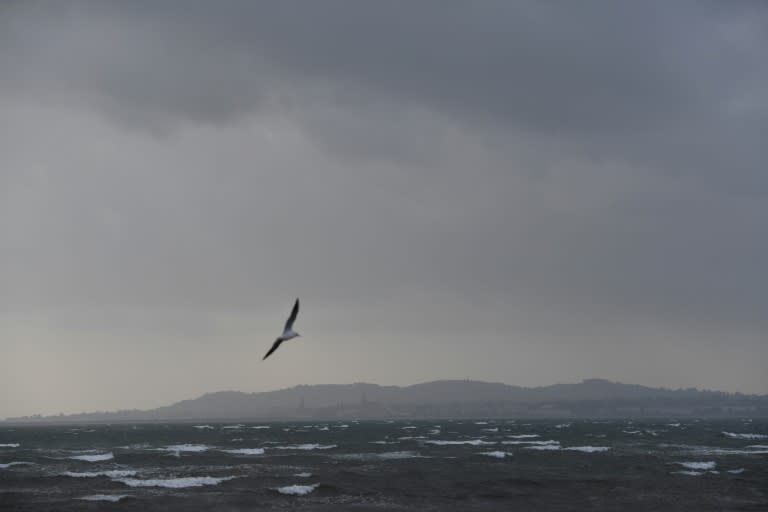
(15, 463)
(175, 483)
(473, 442)
(114, 498)
(734, 435)
(541, 443)
(194, 448)
(246, 451)
(307, 446)
(498, 455)
(94, 458)
(92, 474)
(380, 456)
(588, 449)
(297, 490)
(699, 465)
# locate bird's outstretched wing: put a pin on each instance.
(292, 318)
(276, 344)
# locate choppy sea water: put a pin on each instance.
(388, 465)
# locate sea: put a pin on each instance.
(434, 465)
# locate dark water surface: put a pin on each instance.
(377, 465)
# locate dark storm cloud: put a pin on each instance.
(656, 82)
(592, 66)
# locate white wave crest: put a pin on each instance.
(117, 473)
(259, 427)
(496, 429)
(473, 442)
(544, 447)
(297, 490)
(94, 458)
(379, 456)
(539, 443)
(195, 448)
(736, 471)
(383, 442)
(498, 455)
(734, 435)
(202, 427)
(689, 473)
(114, 498)
(246, 451)
(307, 446)
(563, 425)
(16, 463)
(303, 475)
(175, 483)
(524, 436)
(699, 465)
(10, 445)
(588, 449)
(232, 427)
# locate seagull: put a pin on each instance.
(288, 332)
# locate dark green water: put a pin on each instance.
(377, 465)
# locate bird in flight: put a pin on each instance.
(288, 332)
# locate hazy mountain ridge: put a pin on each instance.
(455, 398)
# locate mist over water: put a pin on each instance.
(404, 465)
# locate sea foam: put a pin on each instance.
(114, 498)
(92, 474)
(540, 443)
(498, 455)
(307, 446)
(10, 445)
(698, 465)
(94, 458)
(379, 456)
(297, 490)
(195, 448)
(473, 442)
(175, 483)
(733, 435)
(246, 451)
(15, 463)
(588, 449)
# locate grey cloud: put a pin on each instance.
(524, 172)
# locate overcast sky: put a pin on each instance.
(528, 192)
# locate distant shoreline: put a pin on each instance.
(459, 399)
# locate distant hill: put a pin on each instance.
(445, 398)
